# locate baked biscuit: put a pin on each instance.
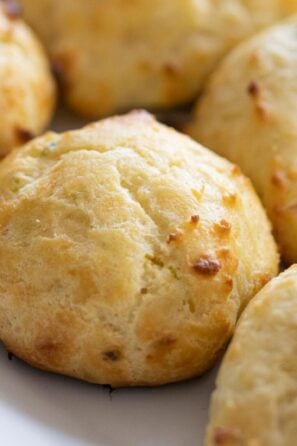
(119, 54)
(126, 252)
(249, 115)
(255, 401)
(27, 92)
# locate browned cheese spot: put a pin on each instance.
(12, 9)
(222, 436)
(253, 89)
(155, 260)
(223, 227)
(195, 219)
(230, 198)
(112, 355)
(175, 236)
(23, 135)
(207, 266)
(143, 290)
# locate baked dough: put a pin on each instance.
(27, 92)
(126, 252)
(249, 115)
(118, 54)
(255, 401)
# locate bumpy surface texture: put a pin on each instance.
(27, 92)
(249, 115)
(119, 54)
(255, 403)
(126, 252)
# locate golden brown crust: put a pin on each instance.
(89, 284)
(255, 399)
(27, 92)
(248, 114)
(119, 54)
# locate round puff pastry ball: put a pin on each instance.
(255, 400)
(27, 92)
(249, 115)
(119, 54)
(126, 252)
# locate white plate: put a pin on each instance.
(42, 409)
